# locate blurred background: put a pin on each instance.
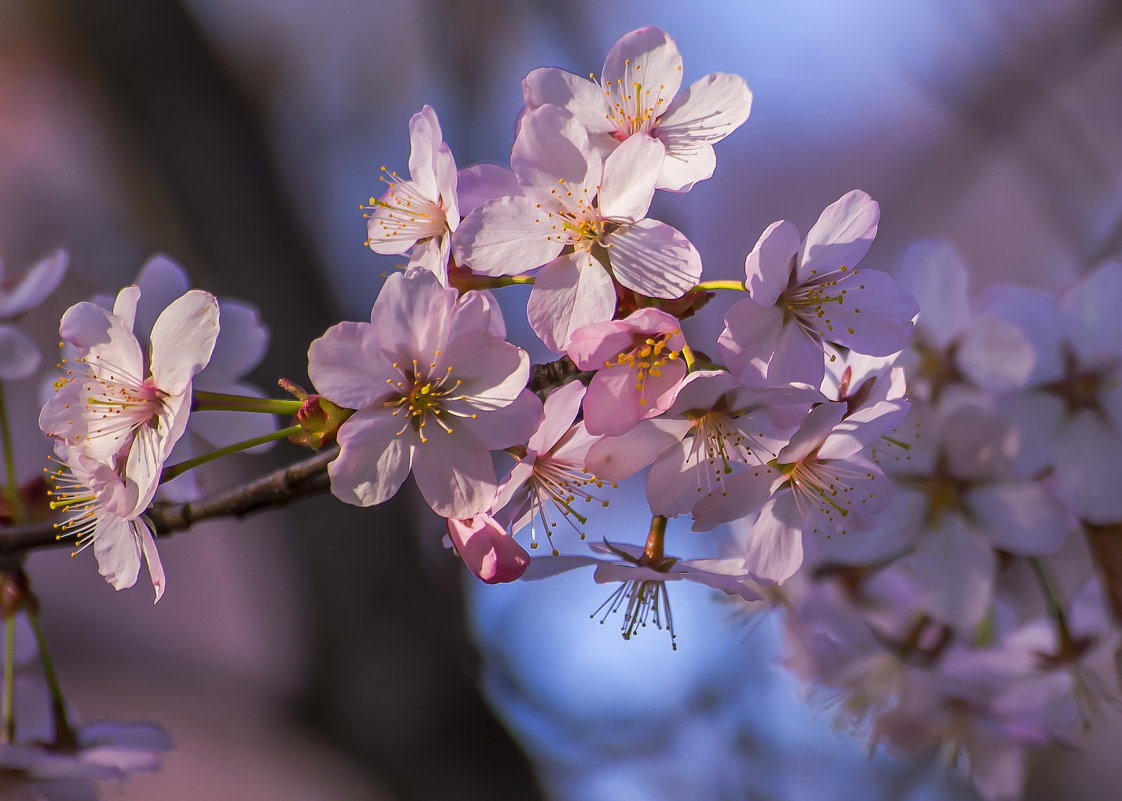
(325, 652)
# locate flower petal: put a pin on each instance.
(570, 292)
(629, 179)
(183, 339)
(347, 367)
(653, 259)
(508, 236)
(487, 549)
(580, 96)
(373, 460)
(454, 472)
(704, 114)
(19, 357)
(767, 268)
(33, 288)
(842, 235)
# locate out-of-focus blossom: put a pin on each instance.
(19, 356)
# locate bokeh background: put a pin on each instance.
(324, 652)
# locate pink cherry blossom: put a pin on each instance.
(582, 219)
(638, 364)
(111, 402)
(105, 510)
(434, 389)
(638, 94)
(418, 215)
(551, 475)
(713, 428)
(487, 549)
(805, 294)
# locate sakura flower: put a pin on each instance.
(822, 485)
(642, 575)
(551, 474)
(487, 549)
(239, 348)
(19, 356)
(418, 214)
(805, 294)
(584, 219)
(105, 510)
(638, 94)
(434, 391)
(713, 427)
(637, 363)
(111, 402)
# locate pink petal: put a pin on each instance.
(648, 57)
(1093, 325)
(347, 366)
(481, 183)
(454, 472)
(653, 259)
(560, 410)
(749, 340)
(1086, 468)
(161, 281)
(152, 558)
(491, 372)
(616, 458)
(842, 235)
(874, 314)
(705, 113)
(775, 541)
(936, 276)
(813, 432)
(744, 493)
(487, 549)
(1021, 517)
(510, 425)
(425, 140)
(373, 460)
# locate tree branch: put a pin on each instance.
(276, 489)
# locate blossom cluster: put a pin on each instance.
(901, 468)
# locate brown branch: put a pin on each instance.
(276, 489)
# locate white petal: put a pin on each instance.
(1020, 517)
(183, 339)
(647, 57)
(936, 276)
(348, 368)
(552, 152)
(454, 472)
(775, 541)
(152, 557)
(768, 266)
(117, 548)
(161, 281)
(1087, 476)
(570, 292)
(653, 259)
(578, 95)
(508, 236)
(629, 179)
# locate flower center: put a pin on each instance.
(560, 483)
(403, 213)
(423, 395)
(635, 106)
(808, 303)
(647, 359)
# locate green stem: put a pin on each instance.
(220, 402)
(7, 702)
(176, 470)
(707, 285)
(64, 734)
(688, 357)
(465, 281)
(1055, 610)
(11, 485)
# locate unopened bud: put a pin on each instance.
(15, 594)
(319, 420)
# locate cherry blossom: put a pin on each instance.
(551, 475)
(434, 391)
(578, 215)
(105, 510)
(418, 215)
(111, 402)
(487, 549)
(638, 364)
(804, 294)
(638, 94)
